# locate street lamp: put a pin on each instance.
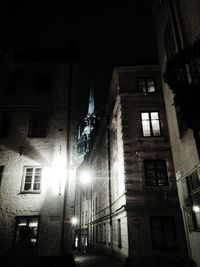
(85, 177)
(196, 209)
(74, 221)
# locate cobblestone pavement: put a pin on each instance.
(95, 260)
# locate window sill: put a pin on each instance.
(151, 138)
(157, 187)
(30, 192)
(37, 137)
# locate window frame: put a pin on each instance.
(156, 170)
(163, 233)
(31, 190)
(150, 123)
(146, 84)
(28, 219)
(41, 130)
(193, 186)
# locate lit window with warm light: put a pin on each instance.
(150, 124)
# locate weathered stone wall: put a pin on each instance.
(50, 153)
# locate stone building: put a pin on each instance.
(130, 208)
(177, 31)
(37, 148)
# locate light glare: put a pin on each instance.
(85, 178)
(74, 221)
(196, 208)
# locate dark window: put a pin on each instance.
(119, 233)
(146, 85)
(96, 233)
(193, 183)
(150, 124)
(5, 125)
(104, 233)
(82, 221)
(163, 233)
(43, 84)
(32, 222)
(31, 182)
(1, 173)
(155, 173)
(38, 125)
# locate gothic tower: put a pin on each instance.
(84, 137)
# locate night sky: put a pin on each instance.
(105, 37)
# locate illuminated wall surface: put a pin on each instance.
(33, 154)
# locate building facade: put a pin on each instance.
(37, 152)
(177, 30)
(131, 208)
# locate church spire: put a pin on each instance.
(85, 138)
(91, 106)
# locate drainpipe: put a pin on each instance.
(64, 231)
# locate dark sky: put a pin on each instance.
(105, 36)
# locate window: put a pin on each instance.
(82, 221)
(146, 85)
(193, 184)
(100, 233)
(104, 233)
(5, 125)
(150, 124)
(119, 233)
(163, 233)
(1, 173)
(32, 180)
(38, 125)
(32, 222)
(86, 217)
(155, 173)
(96, 233)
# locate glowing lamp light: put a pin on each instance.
(85, 178)
(74, 220)
(196, 209)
